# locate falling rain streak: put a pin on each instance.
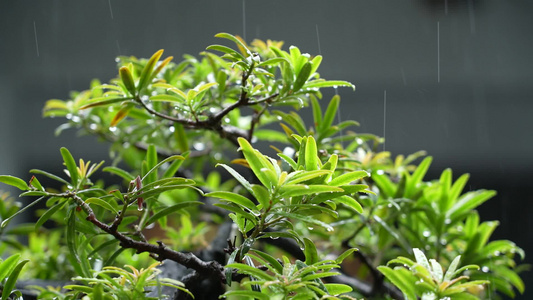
(384, 116)
(243, 20)
(318, 40)
(110, 9)
(36, 42)
(471, 16)
(438, 52)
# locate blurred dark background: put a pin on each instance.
(458, 76)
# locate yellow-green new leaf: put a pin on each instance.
(127, 79)
(346, 178)
(293, 190)
(121, 114)
(259, 164)
(146, 73)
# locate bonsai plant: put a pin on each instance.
(198, 211)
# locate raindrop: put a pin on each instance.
(68, 116)
(274, 237)
(171, 129)
(93, 126)
(329, 229)
(497, 253)
(310, 228)
(447, 221)
(156, 187)
(113, 129)
(380, 172)
(199, 146)
(117, 60)
(76, 119)
(485, 269)
(443, 242)
(426, 233)
(227, 120)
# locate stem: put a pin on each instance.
(211, 269)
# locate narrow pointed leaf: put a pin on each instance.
(234, 198)
(122, 113)
(303, 76)
(346, 178)
(48, 214)
(12, 279)
(70, 163)
(146, 73)
(168, 210)
(293, 190)
(102, 203)
(311, 255)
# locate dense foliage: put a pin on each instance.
(323, 216)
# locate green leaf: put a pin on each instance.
(261, 167)
(448, 276)
(6, 221)
(49, 175)
(70, 163)
(239, 178)
(127, 79)
(271, 260)
(421, 259)
(302, 77)
(293, 190)
(167, 98)
(346, 178)
(14, 181)
(311, 255)
(337, 288)
(301, 176)
(232, 38)
(468, 202)
(238, 294)
(119, 172)
(146, 73)
(102, 203)
(321, 83)
(350, 202)
(305, 219)
(311, 155)
(226, 50)
(234, 198)
(48, 214)
(72, 239)
(289, 161)
(8, 265)
(417, 177)
(344, 255)
(246, 269)
(168, 210)
(330, 114)
(383, 182)
(104, 101)
(12, 279)
(400, 281)
(173, 168)
(262, 196)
